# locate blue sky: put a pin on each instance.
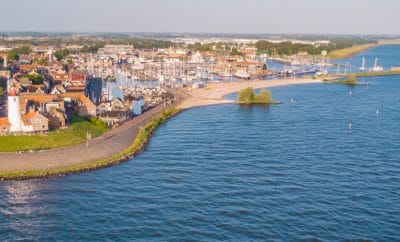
(204, 16)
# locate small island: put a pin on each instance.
(350, 80)
(247, 96)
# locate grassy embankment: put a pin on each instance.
(351, 79)
(377, 73)
(138, 145)
(348, 52)
(247, 96)
(75, 134)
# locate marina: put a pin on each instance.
(199, 120)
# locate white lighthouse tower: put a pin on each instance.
(5, 62)
(14, 111)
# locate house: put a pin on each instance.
(58, 89)
(85, 107)
(118, 105)
(57, 118)
(103, 107)
(39, 89)
(35, 122)
(63, 77)
(25, 59)
(113, 118)
(77, 78)
(115, 105)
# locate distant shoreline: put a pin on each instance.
(357, 49)
(351, 51)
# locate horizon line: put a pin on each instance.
(193, 33)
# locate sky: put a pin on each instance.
(203, 16)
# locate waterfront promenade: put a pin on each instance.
(107, 145)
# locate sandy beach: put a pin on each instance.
(213, 93)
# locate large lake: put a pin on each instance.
(285, 172)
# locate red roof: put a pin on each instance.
(4, 121)
(29, 115)
(12, 92)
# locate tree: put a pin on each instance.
(61, 54)
(264, 96)
(12, 55)
(352, 80)
(35, 78)
(246, 95)
(24, 50)
(235, 52)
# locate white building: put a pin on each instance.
(197, 58)
(29, 122)
(14, 111)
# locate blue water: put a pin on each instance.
(285, 172)
(388, 56)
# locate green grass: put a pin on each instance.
(138, 144)
(75, 134)
(377, 73)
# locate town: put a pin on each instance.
(45, 80)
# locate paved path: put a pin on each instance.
(107, 145)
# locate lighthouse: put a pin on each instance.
(14, 111)
(5, 62)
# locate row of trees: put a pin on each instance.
(288, 48)
(35, 78)
(219, 47)
(16, 52)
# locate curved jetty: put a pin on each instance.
(121, 143)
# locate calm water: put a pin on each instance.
(230, 172)
(388, 56)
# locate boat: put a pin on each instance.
(376, 67)
(305, 71)
(226, 74)
(362, 68)
(286, 72)
(198, 85)
(242, 74)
